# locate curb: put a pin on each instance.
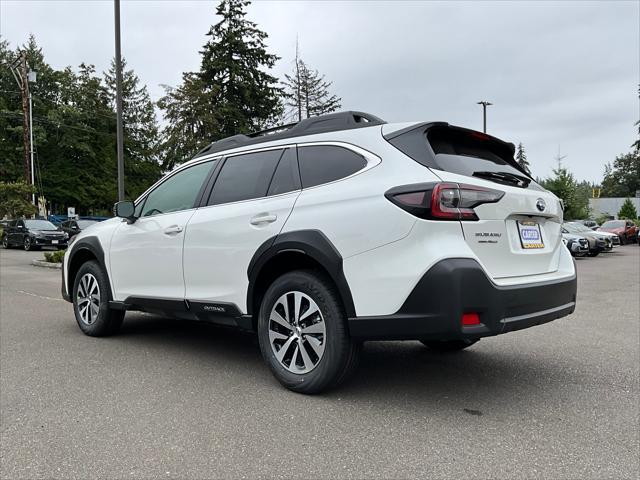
(42, 263)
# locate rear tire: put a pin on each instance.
(448, 345)
(5, 243)
(307, 347)
(91, 302)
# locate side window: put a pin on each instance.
(325, 163)
(286, 178)
(178, 192)
(244, 177)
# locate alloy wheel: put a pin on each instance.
(27, 244)
(297, 332)
(88, 299)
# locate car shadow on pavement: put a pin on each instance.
(474, 381)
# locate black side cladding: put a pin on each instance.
(312, 243)
(86, 244)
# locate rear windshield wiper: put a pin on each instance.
(505, 177)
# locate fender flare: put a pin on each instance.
(91, 244)
(312, 243)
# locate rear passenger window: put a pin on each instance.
(244, 177)
(325, 163)
(286, 178)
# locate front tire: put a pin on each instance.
(303, 333)
(28, 245)
(5, 242)
(91, 302)
(448, 345)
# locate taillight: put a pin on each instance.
(442, 201)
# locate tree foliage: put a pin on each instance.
(622, 179)
(565, 187)
(307, 92)
(521, 158)
(15, 200)
(628, 210)
(74, 130)
(232, 93)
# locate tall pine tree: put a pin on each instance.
(140, 130)
(307, 92)
(232, 93)
(521, 158)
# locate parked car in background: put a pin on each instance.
(626, 230)
(33, 234)
(576, 244)
(592, 224)
(73, 227)
(609, 238)
(596, 244)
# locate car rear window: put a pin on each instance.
(467, 152)
(327, 163)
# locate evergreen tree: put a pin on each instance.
(232, 93)
(565, 187)
(140, 130)
(628, 211)
(191, 122)
(521, 158)
(623, 178)
(307, 92)
(245, 96)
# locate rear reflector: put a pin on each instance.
(470, 319)
(442, 201)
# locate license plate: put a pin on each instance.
(530, 235)
(55, 242)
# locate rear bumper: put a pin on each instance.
(452, 287)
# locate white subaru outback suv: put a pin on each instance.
(329, 232)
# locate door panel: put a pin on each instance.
(220, 241)
(146, 256)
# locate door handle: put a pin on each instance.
(172, 230)
(263, 218)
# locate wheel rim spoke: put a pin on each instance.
(297, 347)
(88, 299)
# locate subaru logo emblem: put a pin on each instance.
(541, 205)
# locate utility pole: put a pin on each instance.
(484, 104)
(119, 132)
(19, 70)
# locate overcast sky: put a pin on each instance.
(560, 74)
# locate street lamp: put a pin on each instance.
(484, 104)
(31, 78)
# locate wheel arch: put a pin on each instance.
(85, 250)
(302, 249)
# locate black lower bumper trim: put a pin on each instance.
(452, 287)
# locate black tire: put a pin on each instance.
(622, 240)
(28, 245)
(448, 345)
(107, 321)
(340, 355)
(5, 242)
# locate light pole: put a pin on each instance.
(119, 133)
(484, 104)
(31, 77)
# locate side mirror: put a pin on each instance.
(124, 209)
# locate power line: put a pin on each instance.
(7, 113)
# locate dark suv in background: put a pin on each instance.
(33, 234)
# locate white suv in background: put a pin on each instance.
(335, 230)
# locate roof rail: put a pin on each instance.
(331, 122)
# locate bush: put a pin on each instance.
(54, 257)
(627, 211)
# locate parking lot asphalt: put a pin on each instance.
(173, 399)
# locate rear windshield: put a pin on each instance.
(470, 153)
